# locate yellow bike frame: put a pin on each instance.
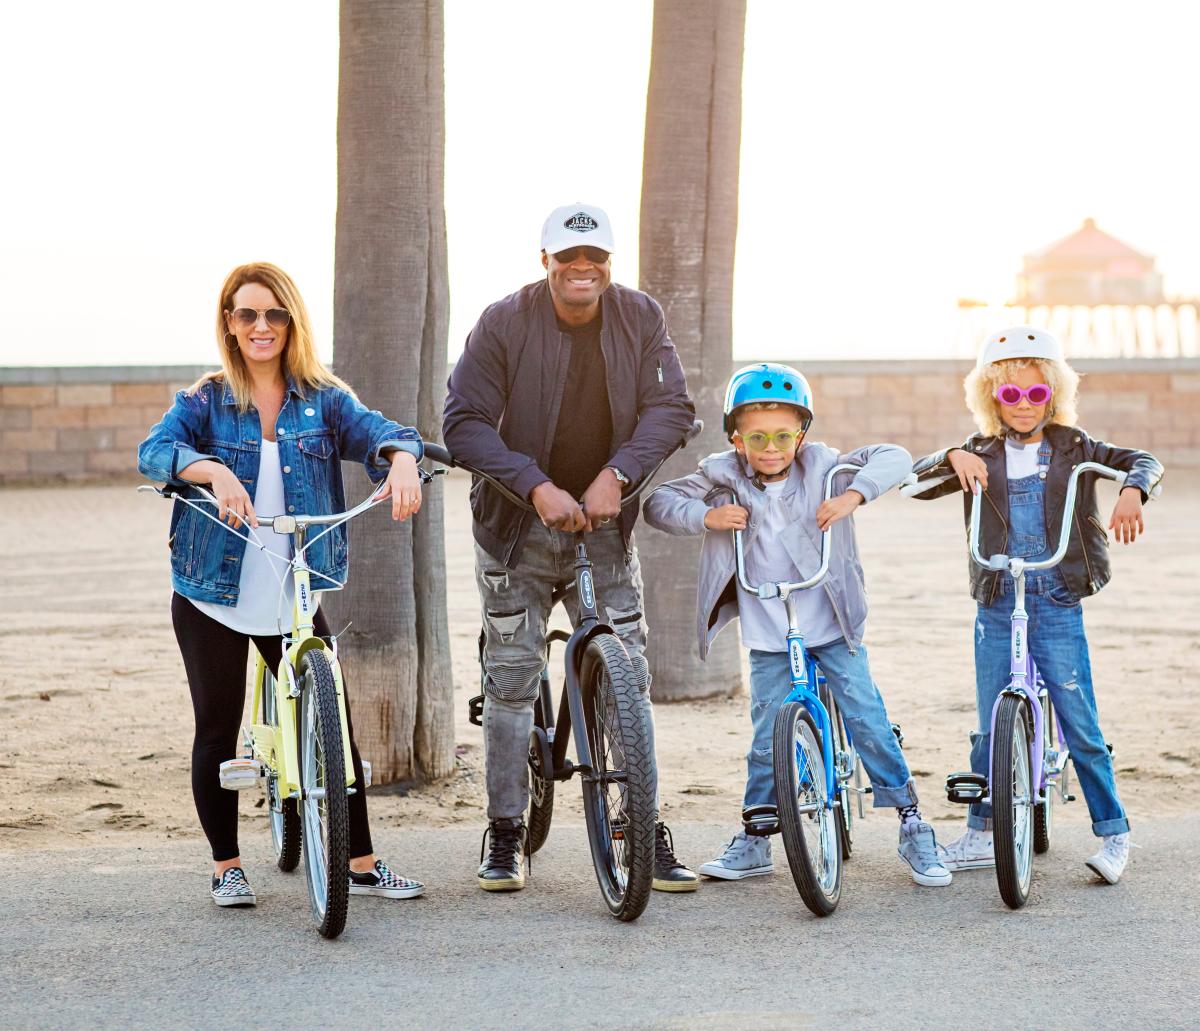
(277, 748)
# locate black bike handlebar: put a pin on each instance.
(438, 453)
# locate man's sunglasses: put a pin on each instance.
(593, 254)
(278, 318)
(1009, 394)
(758, 441)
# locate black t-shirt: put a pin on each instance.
(583, 436)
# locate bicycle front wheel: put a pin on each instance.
(846, 769)
(618, 793)
(282, 813)
(809, 823)
(324, 808)
(1012, 801)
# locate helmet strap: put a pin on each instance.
(1021, 437)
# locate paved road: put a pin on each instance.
(107, 937)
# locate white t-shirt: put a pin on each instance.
(260, 600)
(1020, 459)
(764, 620)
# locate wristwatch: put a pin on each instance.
(622, 479)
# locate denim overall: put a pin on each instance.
(1058, 646)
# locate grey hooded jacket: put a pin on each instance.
(678, 507)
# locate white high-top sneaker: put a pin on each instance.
(1109, 862)
(971, 850)
(744, 856)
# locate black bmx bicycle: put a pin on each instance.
(604, 701)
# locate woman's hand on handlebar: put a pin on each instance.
(726, 517)
(403, 486)
(557, 509)
(968, 468)
(1126, 522)
(833, 509)
(233, 502)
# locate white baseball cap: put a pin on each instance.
(577, 225)
(1020, 342)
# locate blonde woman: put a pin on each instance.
(1022, 395)
(265, 435)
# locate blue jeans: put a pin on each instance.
(849, 678)
(1059, 647)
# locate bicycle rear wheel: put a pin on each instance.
(282, 813)
(324, 809)
(846, 763)
(541, 781)
(1043, 812)
(809, 823)
(618, 794)
(1012, 801)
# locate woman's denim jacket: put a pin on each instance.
(314, 434)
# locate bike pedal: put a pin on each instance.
(966, 788)
(366, 773)
(475, 710)
(239, 774)
(1070, 798)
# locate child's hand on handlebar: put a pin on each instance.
(1126, 522)
(833, 509)
(602, 500)
(403, 486)
(556, 508)
(726, 517)
(968, 467)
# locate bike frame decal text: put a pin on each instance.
(586, 592)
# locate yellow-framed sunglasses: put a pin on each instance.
(784, 440)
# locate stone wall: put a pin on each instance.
(84, 424)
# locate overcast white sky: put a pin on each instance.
(895, 157)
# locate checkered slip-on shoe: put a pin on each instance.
(381, 881)
(232, 889)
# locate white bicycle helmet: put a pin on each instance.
(1020, 342)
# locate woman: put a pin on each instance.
(265, 434)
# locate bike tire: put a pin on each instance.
(620, 815)
(541, 788)
(282, 814)
(326, 818)
(842, 746)
(800, 780)
(1043, 812)
(1012, 801)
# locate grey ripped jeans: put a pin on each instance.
(516, 608)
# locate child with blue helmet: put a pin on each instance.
(778, 479)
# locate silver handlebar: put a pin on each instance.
(783, 589)
(284, 523)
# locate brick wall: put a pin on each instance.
(82, 424)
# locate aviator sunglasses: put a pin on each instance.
(593, 254)
(277, 318)
(758, 441)
(1009, 394)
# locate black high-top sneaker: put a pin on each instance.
(669, 873)
(503, 870)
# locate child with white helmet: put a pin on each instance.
(1022, 395)
(779, 481)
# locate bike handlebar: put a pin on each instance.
(439, 454)
(784, 588)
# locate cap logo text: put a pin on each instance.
(581, 222)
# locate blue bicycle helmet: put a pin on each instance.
(765, 382)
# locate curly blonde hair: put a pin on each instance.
(980, 390)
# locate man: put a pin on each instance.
(569, 391)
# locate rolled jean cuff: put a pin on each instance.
(979, 823)
(893, 798)
(1107, 827)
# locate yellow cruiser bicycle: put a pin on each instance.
(300, 751)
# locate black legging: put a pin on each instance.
(215, 660)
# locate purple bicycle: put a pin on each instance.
(1029, 755)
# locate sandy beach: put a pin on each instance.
(97, 725)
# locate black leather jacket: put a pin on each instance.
(1085, 569)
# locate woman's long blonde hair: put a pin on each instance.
(300, 361)
(981, 383)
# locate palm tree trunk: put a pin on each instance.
(688, 230)
(390, 324)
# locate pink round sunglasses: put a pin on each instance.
(1009, 394)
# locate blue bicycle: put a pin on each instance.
(817, 768)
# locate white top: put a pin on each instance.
(259, 598)
(764, 620)
(1020, 459)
